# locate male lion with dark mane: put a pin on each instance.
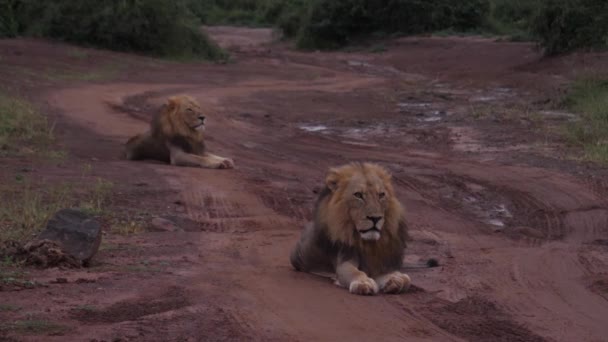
(358, 232)
(176, 137)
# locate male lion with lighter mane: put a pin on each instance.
(358, 232)
(176, 136)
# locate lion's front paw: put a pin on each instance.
(396, 283)
(365, 287)
(226, 164)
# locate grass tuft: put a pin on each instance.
(35, 327)
(589, 97)
(29, 209)
(22, 127)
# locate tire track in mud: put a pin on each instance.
(531, 278)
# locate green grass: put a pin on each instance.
(22, 126)
(8, 308)
(11, 274)
(78, 53)
(29, 209)
(34, 327)
(106, 72)
(98, 198)
(31, 206)
(588, 96)
(127, 227)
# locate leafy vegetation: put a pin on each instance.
(171, 28)
(589, 97)
(156, 27)
(330, 24)
(32, 205)
(22, 127)
(567, 25)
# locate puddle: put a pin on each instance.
(496, 223)
(313, 128)
(484, 98)
(358, 64)
(423, 110)
(358, 143)
(553, 114)
(378, 69)
(467, 139)
(413, 105)
(364, 132)
(492, 95)
(354, 135)
(432, 119)
(485, 204)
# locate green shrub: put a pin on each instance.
(589, 97)
(157, 27)
(567, 25)
(8, 20)
(330, 24)
(287, 15)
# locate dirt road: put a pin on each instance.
(521, 236)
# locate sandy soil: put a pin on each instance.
(466, 127)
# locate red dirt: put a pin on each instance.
(513, 223)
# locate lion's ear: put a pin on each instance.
(172, 103)
(332, 179)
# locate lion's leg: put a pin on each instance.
(226, 163)
(135, 146)
(307, 256)
(395, 282)
(356, 281)
(180, 158)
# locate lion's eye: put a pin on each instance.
(359, 195)
(382, 195)
(189, 110)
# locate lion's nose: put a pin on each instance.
(374, 219)
(202, 118)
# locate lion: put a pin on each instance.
(176, 137)
(358, 232)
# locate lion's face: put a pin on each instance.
(189, 111)
(363, 194)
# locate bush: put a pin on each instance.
(330, 24)
(157, 27)
(8, 20)
(589, 97)
(287, 15)
(566, 25)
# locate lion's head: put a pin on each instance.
(182, 114)
(362, 204)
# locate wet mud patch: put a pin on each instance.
(600, 287)
(172, 299)
(366, 134)
(476, 319)
(203, 323)
(461, 195)
(501, 209)
(289, 197)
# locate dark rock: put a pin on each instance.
(77, 233)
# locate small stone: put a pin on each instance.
(160, 224)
